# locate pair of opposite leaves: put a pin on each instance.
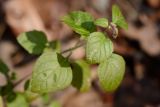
(84, 24)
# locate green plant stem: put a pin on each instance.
(24, 78)
(71, 49)
(77, 43)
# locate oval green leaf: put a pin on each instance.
(81, 22)
(98, 47)
(102, 22)
(33, 41)
(81, 75)
(111, 72)
(52, 72)
(118, 18)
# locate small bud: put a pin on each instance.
(114, 30)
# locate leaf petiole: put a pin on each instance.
(73, 48)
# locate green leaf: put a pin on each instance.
(55, 104)
(11, 96)
(20, 101)
(7, 89)
(1, 102)
(27, 85)
(103, 22)
(3, 68)
(98, 47)
(33, 41)
(111, 72)
(118, 18)
(52, 72)
(30, 96)
(46, 98)
(81, 22)
(55, 45)
(81, 75)
(13, 76)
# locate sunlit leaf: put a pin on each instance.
(81, 22)
(103, 22)
(111, 72)
(33, 41)
(1, 102)
(118, 18)
(30, 96)
(81, 75)
(52, 72)
(99, 47)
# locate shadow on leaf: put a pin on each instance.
(77, 73)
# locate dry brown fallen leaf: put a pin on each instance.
(147, 36)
